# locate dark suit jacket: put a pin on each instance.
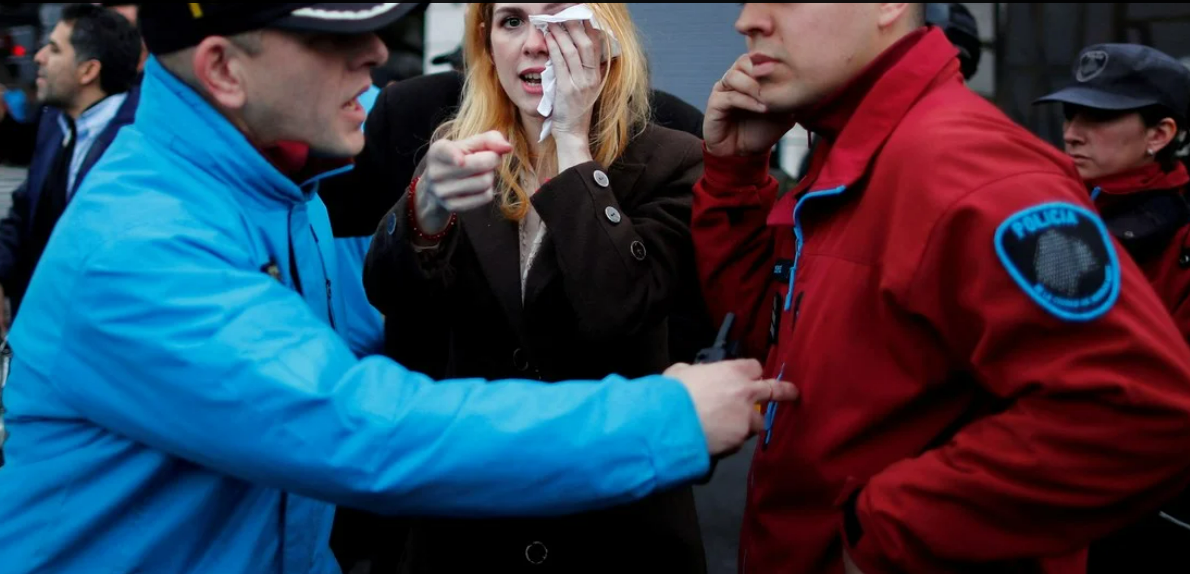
(597, 302)
(17, 258)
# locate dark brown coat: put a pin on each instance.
(596, 303)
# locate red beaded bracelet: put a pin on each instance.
(413, 217)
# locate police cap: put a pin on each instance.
(1126, 77)
(171, 26)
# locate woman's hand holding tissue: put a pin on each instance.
(575, 54)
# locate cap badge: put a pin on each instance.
(195, 10)
(1091, 65)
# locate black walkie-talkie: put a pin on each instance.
(721, 350)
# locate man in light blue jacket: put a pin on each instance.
(182, 398)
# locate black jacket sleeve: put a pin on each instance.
(411, 290)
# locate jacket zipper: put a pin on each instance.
(315, 183)
(797, 310)
(284, 521)
(799, 236)
(330, 300)
(330, 307)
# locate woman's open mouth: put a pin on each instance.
(531, 80)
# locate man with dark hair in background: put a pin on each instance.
(86, 72)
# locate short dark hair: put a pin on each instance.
(107, 37)
(1167, 158)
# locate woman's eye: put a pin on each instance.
(512, 22)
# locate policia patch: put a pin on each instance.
(1062, 256)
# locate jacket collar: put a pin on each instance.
(829, 118)
(296, 161)
(96, 118)
(179, 118)
(127, 113)
(124, 117)
(857, 121)
(1143, 208)
(1147, 178)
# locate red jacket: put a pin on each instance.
(981, 374)
(1146, 211)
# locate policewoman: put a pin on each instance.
(1125, 119)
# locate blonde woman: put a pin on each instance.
(513, 256)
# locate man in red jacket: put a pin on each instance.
(987, 385)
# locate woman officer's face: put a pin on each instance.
(1108, 142)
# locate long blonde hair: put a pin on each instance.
(620, 112)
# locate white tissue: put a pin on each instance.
(549, 80)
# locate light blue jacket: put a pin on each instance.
(174, 408)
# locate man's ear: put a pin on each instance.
(219, 71)
(89, 72)
(891, 13)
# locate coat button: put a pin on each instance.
(613, 215)
(520, 361)
(1184, 260)
(638, 250)
(601, 178)
(536, 553)
(1129, 235)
